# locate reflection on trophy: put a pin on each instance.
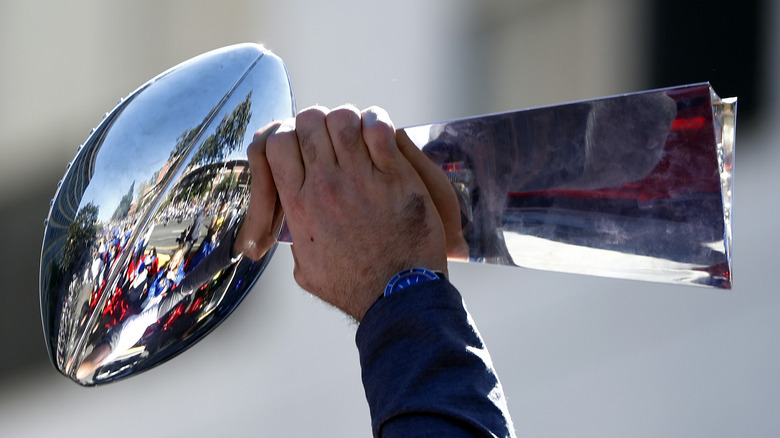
(617, 187)
(138, 260)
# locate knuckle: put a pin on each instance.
(342, 116)
(377, 126)
(344, 126)
(378, 116)
(313, 114)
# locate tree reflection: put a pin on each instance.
(81, 233)
(124, 204)
(228, 136)
(144, 280)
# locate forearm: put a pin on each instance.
(425, 368)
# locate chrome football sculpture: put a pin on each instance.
(136, 263)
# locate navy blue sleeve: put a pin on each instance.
(426, 371)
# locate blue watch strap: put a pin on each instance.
(409, 277)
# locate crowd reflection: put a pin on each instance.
(140, 293)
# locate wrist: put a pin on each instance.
(397, 282)
(410, 277)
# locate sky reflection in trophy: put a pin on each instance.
(137, 262)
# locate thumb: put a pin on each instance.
(264, 214)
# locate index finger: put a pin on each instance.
(285, 160)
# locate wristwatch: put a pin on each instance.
(409, 277)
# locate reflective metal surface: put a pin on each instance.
(137, 259)
(635, 186)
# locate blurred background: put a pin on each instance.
(577, 355)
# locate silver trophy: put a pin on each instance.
(136, 264)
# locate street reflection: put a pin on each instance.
(138, 260)
(130, 296)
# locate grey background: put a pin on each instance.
(577, 355)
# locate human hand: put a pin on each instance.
(443, 194)
(254, 241)
(357, 210)
(264, 214)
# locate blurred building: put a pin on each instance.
(67, 63)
